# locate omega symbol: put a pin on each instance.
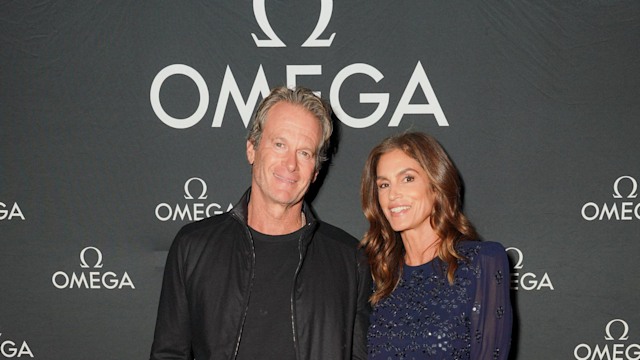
(518, 264)
(527, 280)
(187, 192)
(260, 12)
(625, 187)
(615, 349)
(83, 261)
(625, 330)
(634, 188)
(91, 279)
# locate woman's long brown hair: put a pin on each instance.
(383, 246)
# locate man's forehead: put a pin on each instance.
(292, 130)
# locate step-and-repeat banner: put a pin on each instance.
(123, 121)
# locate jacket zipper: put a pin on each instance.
(246, 306)
(293, 310)
(293, 289)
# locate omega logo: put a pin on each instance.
(9, 349)
(91, 279)
(15, 212)
(527, 280)
(260, 13)
(187, 193)
(83, 261)
(625, 330)
(192, 211)
(625, 210)
(609, 351)
(230, 88)
(633, 193)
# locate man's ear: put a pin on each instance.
(251, 152)
(315, 176)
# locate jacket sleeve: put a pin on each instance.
(492, 317)
(172, 338)
(363, 309)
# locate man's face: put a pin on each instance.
(284, 161)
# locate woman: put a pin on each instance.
(439, 293)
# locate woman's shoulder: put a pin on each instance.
(472, 249)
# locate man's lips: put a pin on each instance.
(284, 179)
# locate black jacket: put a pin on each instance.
(208, 279)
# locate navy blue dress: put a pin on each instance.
(426, 318)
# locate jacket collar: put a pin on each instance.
(241, 210)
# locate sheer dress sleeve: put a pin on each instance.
(492, 316)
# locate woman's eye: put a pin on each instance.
(383, 185)
(409, 178)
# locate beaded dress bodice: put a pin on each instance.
(427, 318)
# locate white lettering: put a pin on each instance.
(126, 281)
(79, 281)
(618, 351)
(528, 281)
(367, 98)
(636, 352)
(634, 188)
(9, 350)
(609, 212)
(109, 280)
(515, 280)
(56, 275)
(600, 353)
(627, 211)
(10, 214)
(261, 87)
(179, 69)
(190, 212)
(83, 262)
(182, 212)
(528, 285)
(187, 192)
(160, 207)
(260, 13)
(419, 77)
(590, 205)
(198, 211)
(294, 70)
(625, 330)
(326, 8)
(615, 352)
(582, 346)
(545, 282)
(92, 280)
(230, 87)
(610, 351)
(518, 264)
(216, 212)
(94, 277)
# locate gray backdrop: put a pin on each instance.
(122, 121)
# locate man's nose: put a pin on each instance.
(291, 161)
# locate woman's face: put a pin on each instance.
(405, 193)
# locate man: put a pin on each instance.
(268, 280)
